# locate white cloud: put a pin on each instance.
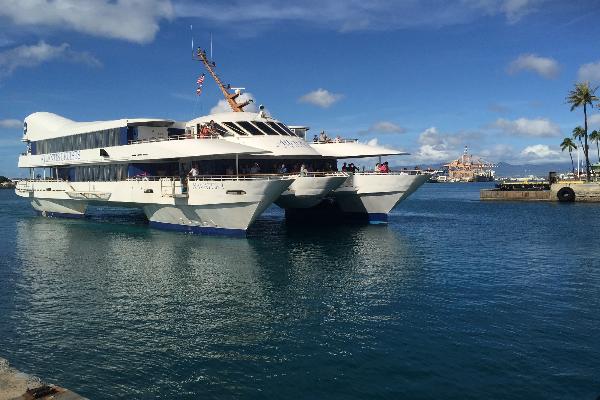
(434, 147)
(353, 15)
(387, 127)
(543, 66)
(321, 98)
(131, 20)
(533, 154)
(11, 123)
(431, 153)
(384, 127)
(594, 121)
(223, 106)
(538, 152)
(31, 56)
(517, 9)
(589, 72)
(538, 127)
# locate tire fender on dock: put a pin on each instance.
(566, 195)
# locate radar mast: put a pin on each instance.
(230, 97)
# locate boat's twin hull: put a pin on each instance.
(226, 206)
(374, 195)
(308, 191)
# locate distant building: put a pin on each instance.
(469, 169)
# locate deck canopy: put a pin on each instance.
(45, 125)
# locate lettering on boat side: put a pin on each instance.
(201, 185)
(286, 143)
(62, 156)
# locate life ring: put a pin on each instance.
(566, 195)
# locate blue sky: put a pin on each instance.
(425, 76)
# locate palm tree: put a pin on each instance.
(582, 95)
(578, 133)
(595, 137)
(567, 144)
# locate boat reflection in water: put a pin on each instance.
(112, 298)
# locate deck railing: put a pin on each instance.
(401, 172)
(333, 140)
(175, 137)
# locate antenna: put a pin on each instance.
(192, 34)
(211, 56)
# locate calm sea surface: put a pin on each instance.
(455, 299)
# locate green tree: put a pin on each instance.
(579, 133)
(583, 95)
(567, 144)
(595, 137)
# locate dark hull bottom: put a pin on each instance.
(328, 212)
(197, 230)
(51, 214)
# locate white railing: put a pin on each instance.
(321, 174)
(334, 140)
(177, 137)
(401, 172)
(244, 177)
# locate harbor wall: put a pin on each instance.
(513, 195)
(583, 192)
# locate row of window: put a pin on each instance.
(94, 173)
(246, 128)
(90, 140)
(120, 136)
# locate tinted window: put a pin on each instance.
(277, 128)
(265, 128)
(285, 128)
(235, 128)
(220, 130)
(250, 128)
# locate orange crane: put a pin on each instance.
(230, 97)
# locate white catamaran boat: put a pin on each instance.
(142, 163)
(215, 174)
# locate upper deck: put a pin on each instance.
(256, 130)
(54, 140)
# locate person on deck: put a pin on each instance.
(194, 172)
(283, 169)
(303, 170)
(204, 131)
(255, 169)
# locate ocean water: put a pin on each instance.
(454, 299)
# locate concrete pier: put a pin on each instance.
(560, 191)
(16, 385)
(515, 195)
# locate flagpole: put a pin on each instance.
(211, 56)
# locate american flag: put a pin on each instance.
(200, 80)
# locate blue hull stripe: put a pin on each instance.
(60, 215)
(378, 218)
(198, 230)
